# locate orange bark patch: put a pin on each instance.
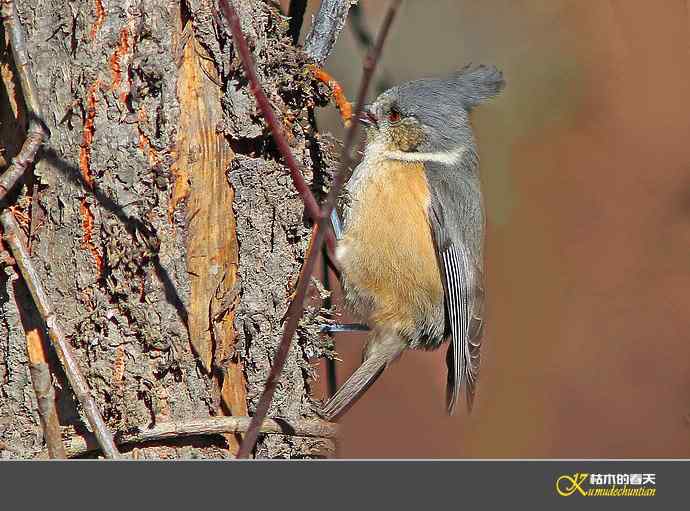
(116, 62)
(100, 18)
(35, 347)
(144, 141)
(87, 137)
(87, 219)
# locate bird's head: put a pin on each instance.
(430, 116)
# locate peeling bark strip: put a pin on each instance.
(201, 159)
(85, 166)
(87, 239)
(88, 134)
(203, 155)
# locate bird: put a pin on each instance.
(411, 247)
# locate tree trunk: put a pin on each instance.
(161, 220)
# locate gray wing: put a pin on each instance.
(456, 221)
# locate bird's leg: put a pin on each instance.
(337, 225)
(341, 102)
(329, 259)
(338, 328)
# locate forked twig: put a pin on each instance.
(78, 446)
(37, 133)
(13, 236)
(321, 216)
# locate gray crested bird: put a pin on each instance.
(411, 249)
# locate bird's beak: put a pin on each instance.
(367, 117)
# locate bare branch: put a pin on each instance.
(37, 133)
(328, 22)
(296, 307)
(13, 236)
(366, 41)
(78, 446)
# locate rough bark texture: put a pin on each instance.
(166, 231)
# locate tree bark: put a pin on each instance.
(161, 221)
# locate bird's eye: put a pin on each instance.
(394, 115)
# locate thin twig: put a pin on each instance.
(277, 130)
(314, 428)
(45, 394)
(366, 41)
(359, 28)
(296, 306)
(328, 22)
(37, 133)
(13, 236)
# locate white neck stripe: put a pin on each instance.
(445, 157)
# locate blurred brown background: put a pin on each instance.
(586, 172)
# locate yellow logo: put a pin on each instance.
(607, 485)
(566, 485)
